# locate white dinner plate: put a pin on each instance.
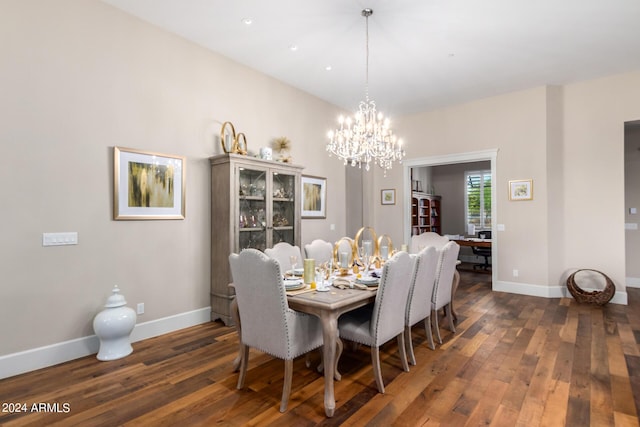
(292, 282)
(295, 287)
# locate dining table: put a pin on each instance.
(328, 306)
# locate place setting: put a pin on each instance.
(369, 279)
(294, 271)
(293, 284)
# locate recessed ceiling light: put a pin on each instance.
(328, 68)
(293, 47)
(247, 21)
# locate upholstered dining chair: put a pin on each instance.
(420, 296)
(374, 326)
(268, 324)
(437, 241)
(320, 250)
(423, 240)
(282, 252)
(442, 297)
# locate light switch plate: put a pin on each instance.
(500, 227)
(60, 239)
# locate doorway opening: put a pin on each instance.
(632, 202)
(487, 156)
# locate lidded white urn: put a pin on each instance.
(113, 326)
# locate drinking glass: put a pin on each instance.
(367, 245)
(320, 278)
(294, 262)
(366, 259)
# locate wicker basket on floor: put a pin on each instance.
(591, 297)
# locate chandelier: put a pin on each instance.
(367, 136)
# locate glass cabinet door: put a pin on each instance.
(283, 203)
(252, 208)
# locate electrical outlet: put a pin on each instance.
(140, 308)
(515, 273)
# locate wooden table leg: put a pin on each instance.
(339, 347)
(330, 336)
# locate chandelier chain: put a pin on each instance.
(367, 13)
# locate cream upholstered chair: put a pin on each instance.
(447, 260)
(429, 238)
(374, 326)
(420, 296)
(268, 324)
(320, 250)
(437, 241)
(282, 252)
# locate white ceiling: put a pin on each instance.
(424, 54)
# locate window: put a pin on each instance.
(478, 199)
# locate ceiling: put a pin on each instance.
(424, 54)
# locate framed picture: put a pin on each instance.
(147, 185)
(521, 189)
(388, 197)
(314, 197)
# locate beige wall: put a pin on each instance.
(569, 140)
(594, 113)
(79, 77)
(514, 124)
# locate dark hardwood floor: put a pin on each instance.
(514, 361)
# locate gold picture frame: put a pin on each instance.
(148, 185)
(521, 189)
(388, 197)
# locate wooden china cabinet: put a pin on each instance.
(255, 203)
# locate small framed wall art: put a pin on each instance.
(388, 197)
(314, 197)
(148, 185)
(521, 189)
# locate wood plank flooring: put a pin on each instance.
(515, 361)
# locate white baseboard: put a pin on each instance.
(633, 282)
(41, 357)
(548, 291)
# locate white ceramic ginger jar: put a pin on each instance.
(113, 326)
